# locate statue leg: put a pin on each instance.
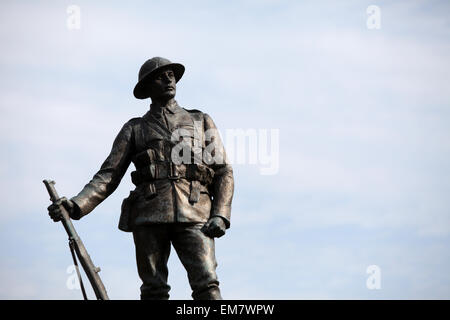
(152, 253)
(197, 254)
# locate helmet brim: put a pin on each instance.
(141, 89)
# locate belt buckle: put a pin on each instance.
(173, 174)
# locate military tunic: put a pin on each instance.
(167, 201)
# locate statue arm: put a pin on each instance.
(223, 182)
(107, 179)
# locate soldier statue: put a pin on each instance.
(184, 186)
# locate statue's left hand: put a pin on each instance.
(214, 228)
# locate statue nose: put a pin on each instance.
(171, 81)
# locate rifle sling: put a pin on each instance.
(72, 251)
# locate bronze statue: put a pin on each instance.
(184, 186)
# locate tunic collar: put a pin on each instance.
(172, 107)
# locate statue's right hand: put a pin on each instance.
(54, 210)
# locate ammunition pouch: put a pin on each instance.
(171, 171)
(126, 219)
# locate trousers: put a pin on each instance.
(195, 250)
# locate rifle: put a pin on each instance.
(77, 246)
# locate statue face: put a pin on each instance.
(163, 85)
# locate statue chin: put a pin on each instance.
(166, 96)
(170, 95)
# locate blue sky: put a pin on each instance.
(363, 118)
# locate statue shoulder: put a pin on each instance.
(133, 122)
(193, 110)
(196, 114)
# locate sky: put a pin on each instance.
(363, 145)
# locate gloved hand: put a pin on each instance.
(54, 210)
(215, 227)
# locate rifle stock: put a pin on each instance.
(88, 266)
